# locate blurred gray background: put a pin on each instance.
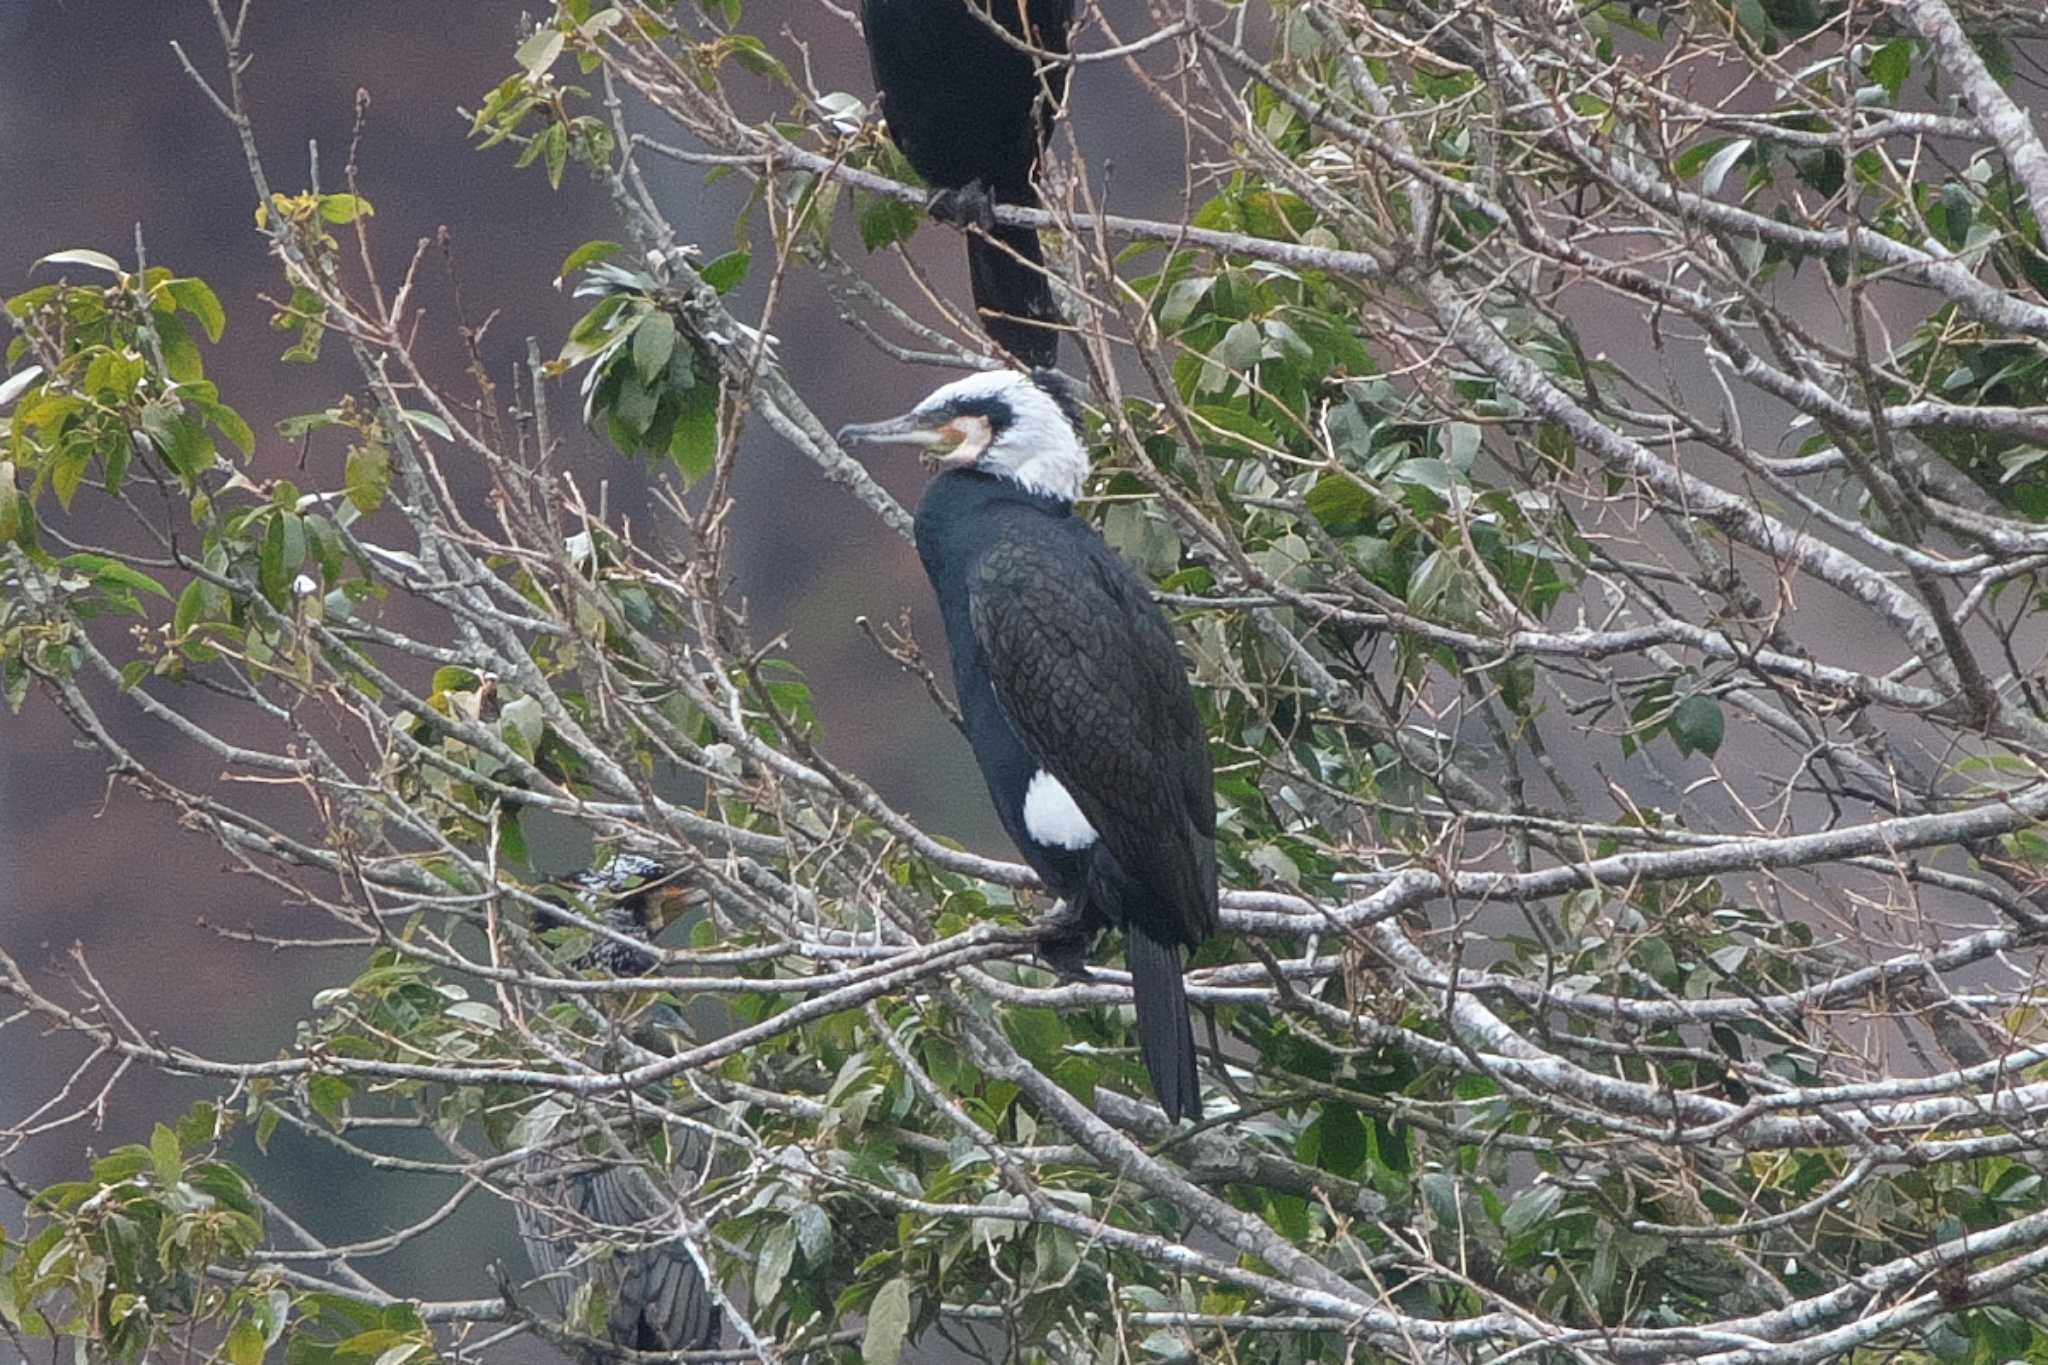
(100, 131)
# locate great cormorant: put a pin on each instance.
(1073, 691)
(973, 114)
(655, 1293)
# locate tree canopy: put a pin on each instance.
(1597, 458)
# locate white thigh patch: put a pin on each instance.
(1051, 817)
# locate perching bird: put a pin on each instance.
(1074, 695)
(973, 114)
(656, 1296)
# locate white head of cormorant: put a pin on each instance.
(1072, 691)
(1026, 428)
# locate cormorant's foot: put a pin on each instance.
(969, 206)
(1066, 957)
(1063, 939)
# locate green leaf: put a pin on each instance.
(455, 678)
(181, 353)
(555, 146)
(185, 445)
(1753, 18)
(284, 550)
(814, 1233)
(427, 422)
(2003, 1334)
(368, 477)
(1240, 347)
(1181, 300)
(512, 837)
(306, 315)
(1891, 64)
(1338, 502)
(232, 425)
(728, 272)
(1232, 418)
(245, 1344)
(104, 570)
(593, 331)
(654, 340)
(292, 428)
(190, 609)
(1460, 446)
(329, 1095)
(1529, 1208)
(10, 503)
(67, 472)
(633, 409)
(523, 722)
(755, 57)
(778, 1252)
(196, 298)
(1145, 539)
(1335, 1141)
(888, 1324)
(167, 1156)
(1697, 725)
(345, 208)
(884, 222)
(266, 1125)
(1167, 1344)
(694, 445)
(326, 545)
(119, 450)
(590, 253)
(1433, 578)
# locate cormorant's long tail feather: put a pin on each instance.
(1166, 1036)
(1003, 284)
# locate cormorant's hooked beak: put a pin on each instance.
(911, 429)
(934, 434)
(667, 904)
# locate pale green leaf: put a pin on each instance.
(654, 340)
(98, 260)
(369, 477)
(167, 1156)
(888, 1324)
(538, 52)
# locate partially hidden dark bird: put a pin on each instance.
(578, 1197)
(973, 114)
(1073, 693)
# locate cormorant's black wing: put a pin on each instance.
(962, 103)
(656, 1293)
(1087, 670)
(969, 109)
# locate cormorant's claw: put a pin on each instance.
(969, 206)
(1063, 939)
